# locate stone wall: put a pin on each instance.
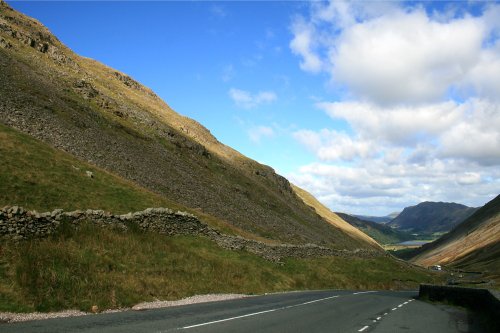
(18, 224)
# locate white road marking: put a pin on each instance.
(374, 320)
(394, 309)
(385, 314)
(257, 313)
(362, 329)
(365, 292)
(405, 303)
(400, 305)
(378, 318)
(232, 318)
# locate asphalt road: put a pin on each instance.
(312, 311)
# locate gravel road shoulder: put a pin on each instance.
(11, 317)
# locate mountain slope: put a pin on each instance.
(332, 217)
(430, 217)
(377, 219)
(475, 243)
(108, 119)
(378, 231)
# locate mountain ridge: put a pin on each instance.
(430, 217)
(108, 119)
(382, 233)
(474, 242)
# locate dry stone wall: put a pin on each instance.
(18, 224)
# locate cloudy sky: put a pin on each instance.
(371, 106)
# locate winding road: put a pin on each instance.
(311, 311)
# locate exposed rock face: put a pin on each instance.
(33, 35)
(18, 224)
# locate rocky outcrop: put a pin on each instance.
(32, 34)
(18, 224)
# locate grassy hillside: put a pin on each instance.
(471, 245)
(331, 217)
(37, 176)
(96, 266)
(111, 121)
(380, 232)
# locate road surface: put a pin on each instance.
(312, 311)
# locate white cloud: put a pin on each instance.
(247, 100)
(377, 188)
(484, 78)
(420, 93)
(397, 125)
(259, 132)
(388, 54)
(469, 178)
(406, 57)
(331, 145)
(303, 44)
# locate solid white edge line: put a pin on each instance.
(362, 329)
(257, 313)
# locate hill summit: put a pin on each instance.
(430, 217)
(108, 119)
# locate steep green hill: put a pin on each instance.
(109, 120)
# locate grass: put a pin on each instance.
(112, 269)
(37, 176)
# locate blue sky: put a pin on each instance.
(371, 106)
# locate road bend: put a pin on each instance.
(312, 311)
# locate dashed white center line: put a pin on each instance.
(257, 313)
(385, 313)
(365, 292)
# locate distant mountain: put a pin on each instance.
(472, 245)
(430, 217)
(376, 219)
(380, 232)
(393, 215)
